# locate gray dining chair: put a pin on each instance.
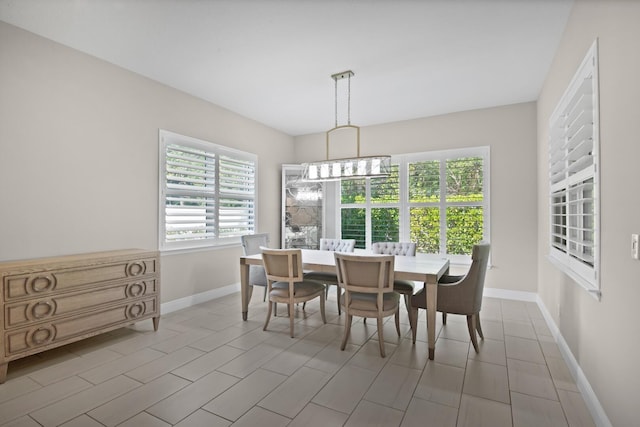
(331, 278)
(459, 294)
(251, 244)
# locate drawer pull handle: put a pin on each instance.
(136, 310)
(37, 313)
(136, 289)
(41, 284)
(43, 335)
(135, 268)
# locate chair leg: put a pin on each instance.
(413, 320)
(380, 337)
(264, 297)
(338, 298)
(291, 319)
(324, 318)
(478, 327)
(444, 318)
(397, 317)
(347, 330)
(266, 322)
(471, 324)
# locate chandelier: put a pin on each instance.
(349, 168)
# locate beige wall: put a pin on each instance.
(510, 132)
(79, 159)
(602, 335)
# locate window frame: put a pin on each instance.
(404, 206)
(166, 139)
(574, 178)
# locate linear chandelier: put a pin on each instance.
(348, 168)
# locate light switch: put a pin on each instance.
(635, 249)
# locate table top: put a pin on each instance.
(422, 267)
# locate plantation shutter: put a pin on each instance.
(237, 201)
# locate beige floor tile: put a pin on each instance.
(331, 358)
(523, 349)
(530, 411)
(74, 366)
(440, 384)
(82, 421)
(549, 347)
(368, 356)
(251, 360)
(241, 397)
(490, 351)
(297, 355)
(121, 365)
(130, 404)
(411, 355)
(80, 403)
(139, 341)
(492, 329)
(455, 329)
(16, 408)
(207, 363)
(487, 380)
(561, 375)
(394, 386)
(421, 413)
(163, 365)
(514, 310)
(318, 416)
(346, 388)
(144, 420)
(258, 416)
(541, 328)
(17, 387)
(533, 310)
(219, 338)
(290, 397)
(325, 334)
(181, 340)
(360, 331)
(202, 418)
(189, 399)
(207, 320)
(452, 352)
(530, 378)
(373, 415)
(575, 409)
(478, 412)
(26, 421)
(520, 329)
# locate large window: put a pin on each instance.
(207, 193)
(440, 200)
(573, 177)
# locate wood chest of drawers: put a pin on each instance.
(50, 302)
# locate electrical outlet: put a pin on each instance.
(635, 246)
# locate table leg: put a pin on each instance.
(244, 289)
(432, 297)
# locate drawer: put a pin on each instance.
(56, 332)
(43, 282)
(20, 314)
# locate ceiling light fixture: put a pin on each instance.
(350, 168)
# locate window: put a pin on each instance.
(439, 200)
(574, 178)
(207, 193)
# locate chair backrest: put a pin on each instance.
(466, 295)
(365, 274)
(282, 265)
(337, 245)
(251, 243)
(394, 248)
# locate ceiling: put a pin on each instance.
(271, 60)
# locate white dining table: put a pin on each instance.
(420, 268)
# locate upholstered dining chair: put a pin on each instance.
(403, 287)
(330, 278)
(459, 294)
(251, 244)
(367, 282)
(286, 284)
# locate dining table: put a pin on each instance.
(420, 268)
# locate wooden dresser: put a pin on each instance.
(49, 302)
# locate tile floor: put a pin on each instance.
(206, 367)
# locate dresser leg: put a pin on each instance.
(156, 323)
(3, 372)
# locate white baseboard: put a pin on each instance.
(591, 400)
(191, 300)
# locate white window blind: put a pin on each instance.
(207, 193)
(574, 177)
